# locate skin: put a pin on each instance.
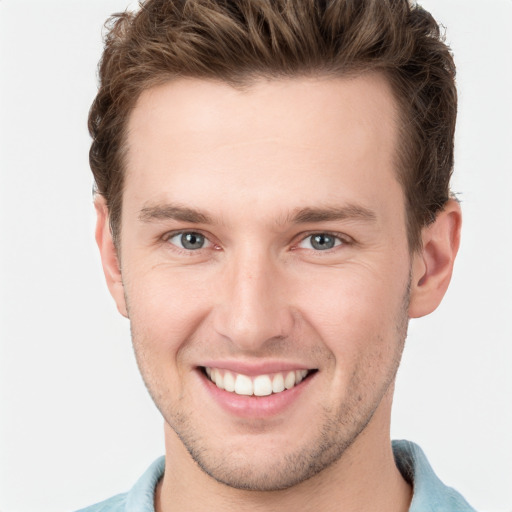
(259, 293)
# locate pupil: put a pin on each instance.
(322, 242)
(192, 240)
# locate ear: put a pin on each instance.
(433, 264)
(108, 253)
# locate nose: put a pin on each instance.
(253, 309)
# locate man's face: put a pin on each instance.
(263, 241)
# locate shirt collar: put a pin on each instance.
(141, 498)
(429, 493)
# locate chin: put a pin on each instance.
(264, 464)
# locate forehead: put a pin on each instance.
(327, 137)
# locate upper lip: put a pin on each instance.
(255, 368)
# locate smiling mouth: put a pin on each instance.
(258, 385)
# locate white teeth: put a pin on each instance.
(243, 385)
(278, 383)
(260, 385)
(289, 380)
(229, 381)
(300, 375)
(219, 379)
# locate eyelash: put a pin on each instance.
(340, 240)
(189, 252)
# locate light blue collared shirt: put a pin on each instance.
(430, 494)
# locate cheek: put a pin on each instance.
(166, 307)
(355, 311)
(165, 313)
(349, 296)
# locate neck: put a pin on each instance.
(365, 479)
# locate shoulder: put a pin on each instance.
(115, 504)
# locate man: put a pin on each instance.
(273, 206)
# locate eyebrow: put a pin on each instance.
(312, 215)
(173, 212)
(298, 216)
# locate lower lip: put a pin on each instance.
(255, 406)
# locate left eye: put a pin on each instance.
(320, 242)
(189, 240)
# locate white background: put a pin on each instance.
(76, 425)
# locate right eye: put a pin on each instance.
(189, 240)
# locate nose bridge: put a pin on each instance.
(253, 309)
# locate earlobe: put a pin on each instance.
(433, 265)
(108, 253)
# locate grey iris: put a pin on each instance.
(322, 242)
(192, 240)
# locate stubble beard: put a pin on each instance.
(334, 438)
(339, 429)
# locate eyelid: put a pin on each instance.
(343, 238)
(171, 234)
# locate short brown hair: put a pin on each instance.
(238, 41)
